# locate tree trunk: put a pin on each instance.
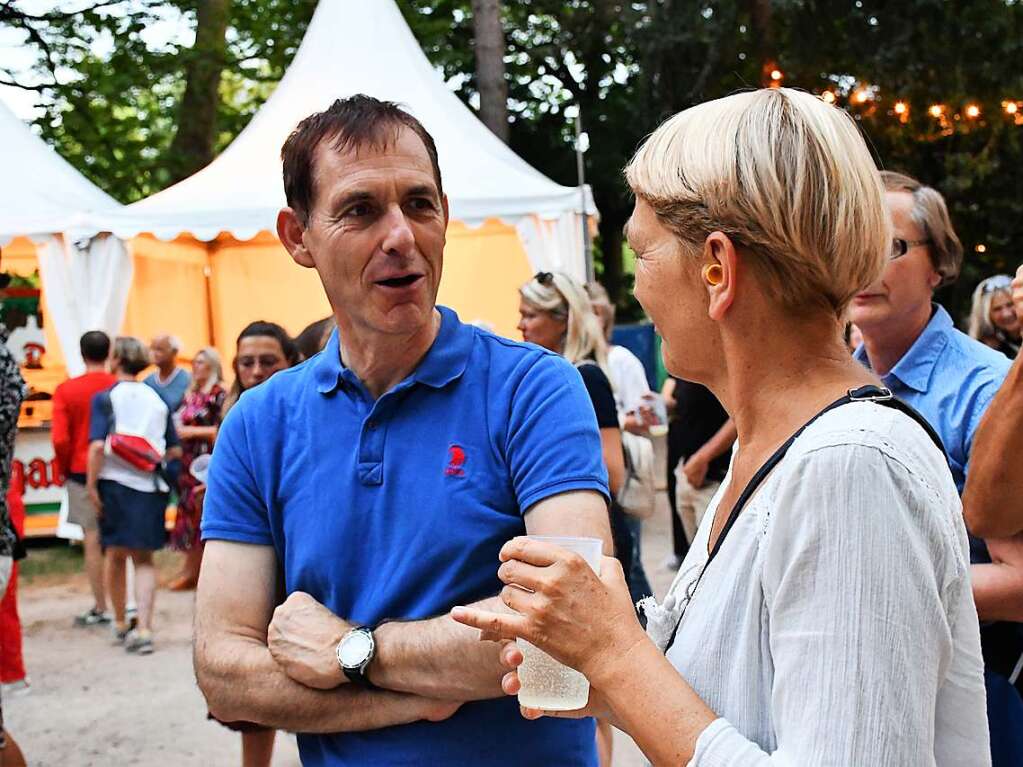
(490, 46)
(195, 139)
(611, 237)
(763, 37)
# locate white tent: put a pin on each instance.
(358, 46)
(44, 206)
(509, 220)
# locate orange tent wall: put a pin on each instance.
(203, 292)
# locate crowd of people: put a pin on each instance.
(828, 431)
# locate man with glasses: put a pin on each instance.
(951, 379)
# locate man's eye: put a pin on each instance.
(422, 203)
(358, 211)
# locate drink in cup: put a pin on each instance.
(547, 684)
(655, 402)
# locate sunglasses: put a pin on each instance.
(901, 247)
(544, 278)
(998, 282)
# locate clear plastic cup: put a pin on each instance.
(547, 684)
(656, 403)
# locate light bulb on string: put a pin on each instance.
(981, 248)
(828, 97)
(777, 75)
(936, 110)
(1010, 107)
(861, 96)
(973, 111)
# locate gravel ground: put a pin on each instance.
(92, 704)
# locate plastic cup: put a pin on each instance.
(656, 403)
(547, 684)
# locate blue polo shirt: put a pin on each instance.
(398, 507)
(950, 379)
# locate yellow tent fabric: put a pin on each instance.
(205, 293)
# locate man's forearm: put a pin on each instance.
(438, 658)
(242, 682)
(720, 442)
(991, 499)
(998, 591)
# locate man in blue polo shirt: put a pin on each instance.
(375, 484)
(950, 379)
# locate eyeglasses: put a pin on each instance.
(998, 282)
(544, 278)
(265, 361)
(901, 247)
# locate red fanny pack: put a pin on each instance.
(135, 451)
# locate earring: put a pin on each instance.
(713, 274)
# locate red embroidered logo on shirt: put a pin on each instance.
(456, 462)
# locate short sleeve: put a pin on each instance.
(601, 396)
(101, 417)
(234, 509)
(553, 445)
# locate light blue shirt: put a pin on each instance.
(950, 379)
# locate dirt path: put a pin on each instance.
(92, 704)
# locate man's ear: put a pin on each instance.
(291, 230)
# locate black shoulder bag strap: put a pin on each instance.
(871, 393)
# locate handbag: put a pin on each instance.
(638, 494)
(135, 451)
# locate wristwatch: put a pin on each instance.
(355, 652)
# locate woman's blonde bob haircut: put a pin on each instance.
(787, 178)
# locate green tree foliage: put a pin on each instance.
(625, 65)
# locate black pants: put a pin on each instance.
(678, 534)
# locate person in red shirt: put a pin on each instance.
(71, 407)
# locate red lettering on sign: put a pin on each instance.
(18, 477)
(56, 478)
(38, 476)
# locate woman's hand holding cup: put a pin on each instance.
(564, 608)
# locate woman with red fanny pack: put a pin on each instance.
(132, 441)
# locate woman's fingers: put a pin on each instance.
(533, 552)
(519, 573)
(511, 656)
(504, 626)
(510, 683)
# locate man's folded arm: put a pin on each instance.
(240, 679)
(439, 658)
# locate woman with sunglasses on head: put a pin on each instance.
(823, 615)
(993, 318)
(556, 313)
(263, 349)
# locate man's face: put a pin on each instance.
(376, 233)
(162, 351)
(907, 283)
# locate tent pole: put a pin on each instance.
(581, 172)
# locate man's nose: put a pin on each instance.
(399, 238)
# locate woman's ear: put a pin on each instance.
(719, 274)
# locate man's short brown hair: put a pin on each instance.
(931, 214)
(353, 122)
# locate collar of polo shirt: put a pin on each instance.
(443, 363)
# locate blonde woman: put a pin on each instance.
(993, 318)
(824, 613)
(199, 418)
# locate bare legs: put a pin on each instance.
(258, 748)
(145, 584)
(94, 568)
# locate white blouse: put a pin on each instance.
(836, 626)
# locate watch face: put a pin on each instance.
(355, 649)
